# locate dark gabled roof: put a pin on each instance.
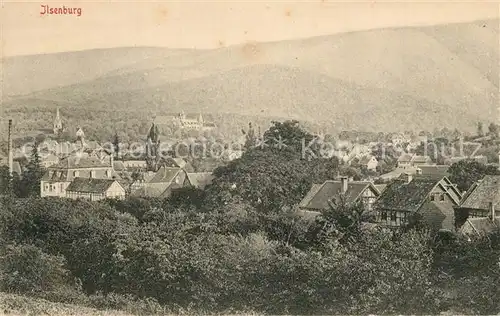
(89, 185)
(75, 162)
(482, 193)
(435, 170)
(321, 194)
(480, 225)
(165, 174)
(400, 195)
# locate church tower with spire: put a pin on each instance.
(58, 128)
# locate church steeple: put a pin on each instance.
(58, 123)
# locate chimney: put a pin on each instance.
(491, 207)
(10, 150)
(344, 181)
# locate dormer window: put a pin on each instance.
(92, 174)
(75, 174)
(108, 173)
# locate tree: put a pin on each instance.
(466, 172)
(250, 137)
(29, 184)
(480, 131)
(116, 146)
(494, 130)
(287, 135)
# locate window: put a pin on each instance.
(75, 174)
(433, 198)
(393, 216)
(442, 198)
(383, 215)
(92, 174)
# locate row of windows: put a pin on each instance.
(393, 218)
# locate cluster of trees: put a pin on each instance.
(241, 245)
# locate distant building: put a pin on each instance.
(411, 195)
(404, 161)
(161, 183)
(417, 161)
(58, 126)
(320, 196)
(200, 179)
(368, 162)
(184, 121)
(95, 189)
(49, 160)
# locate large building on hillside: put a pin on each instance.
(184, 121)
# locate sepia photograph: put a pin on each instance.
(230, 157)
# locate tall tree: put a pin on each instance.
(480, 131)
(116, 146)
(464, 173)
(29, 184)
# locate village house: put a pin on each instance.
(49, 160)
(135, 164)
(368, 162)
(479, 200)
(161, 183)
(404, 161)
(58, 177)
(320, 196)
(480, 226)
(417, 161)
(412, 196)
(433, 170)
(200, 180)
(95, 189)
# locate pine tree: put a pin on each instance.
(116, 145)
(30, 182)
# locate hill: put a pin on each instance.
(386, 79)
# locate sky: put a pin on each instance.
(210, 24)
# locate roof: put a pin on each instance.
(400, 195)
(200, 179)
(165, 174)
(90, 185)
(435, 170)
(16, 167)
(175, 162)
(480, 225)
(482, 193)
(321, 194)
(380, 187)
(365, 159)
(397, 172)
(405, 158)
(75, 162)
(420, 159)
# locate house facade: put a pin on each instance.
(58, 177)
(479, 200)
(416, 196)
(95, 189)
